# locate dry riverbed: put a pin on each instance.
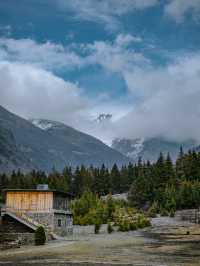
(167, 242)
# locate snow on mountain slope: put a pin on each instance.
(44, 124)
(149, 149)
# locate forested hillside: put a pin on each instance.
(162, 185)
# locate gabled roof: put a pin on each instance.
(66, 194)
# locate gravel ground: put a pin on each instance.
(166, 243)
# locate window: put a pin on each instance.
(59, 223)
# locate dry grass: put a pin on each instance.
(169, 247)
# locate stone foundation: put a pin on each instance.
(15, 240)
(44, 218)
(63, 224)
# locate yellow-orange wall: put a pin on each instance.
(29, 200)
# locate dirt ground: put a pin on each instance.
(166, 243)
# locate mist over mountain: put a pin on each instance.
(149, 149)
(44, 144)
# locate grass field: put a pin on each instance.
(165, 243)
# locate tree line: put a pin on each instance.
(163, 184)
(101, 181)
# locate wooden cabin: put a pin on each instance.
(41, 206)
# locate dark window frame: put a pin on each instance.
(59, 223)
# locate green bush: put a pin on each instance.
(142, 221)
(40, 236)
(124, 226)
(127, 221)
(172, 213)
(111, 206)
(164, 212)
(97, 227)
(110, 228)
(153, 210)
(90, 208)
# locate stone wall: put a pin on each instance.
(14, 234)
(44, 218)
(63, 224)
(58, 223)
(14, 240)
(88, 229)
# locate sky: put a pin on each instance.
(72, 60)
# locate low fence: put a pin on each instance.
(87, 229)
(190, 215)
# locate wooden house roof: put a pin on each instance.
(63, 193)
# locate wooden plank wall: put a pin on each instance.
(29, 201)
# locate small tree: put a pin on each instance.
(97, 227)
(153, 210)
(40, 236)
(109, 228)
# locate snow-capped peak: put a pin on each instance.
(137, 146)
(103, 117)
(130, 147)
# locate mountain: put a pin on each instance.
(10, 156)
(149, 149)
(44, 144)
(103, 118)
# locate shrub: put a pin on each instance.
(40, 236)
(90, 208)
(127, 220)
(142, 221)
(164, 212)
(172, 213)
(111, 206)
(153, 210)
(110, 228)
(124, 226)
(97, 227)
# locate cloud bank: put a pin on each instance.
(33, 92)
(105, 12)
(178, 10)
(170, 101)
(47, 54)
(163, 100)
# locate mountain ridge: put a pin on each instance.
(149, 149)
(34, 148)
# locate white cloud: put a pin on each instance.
(26, 83)
(115, 56)
(48, 55)
(169, 105)
(165, 99)
(106, 11)
(33, 92)
(126, 39)
(178, 9)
